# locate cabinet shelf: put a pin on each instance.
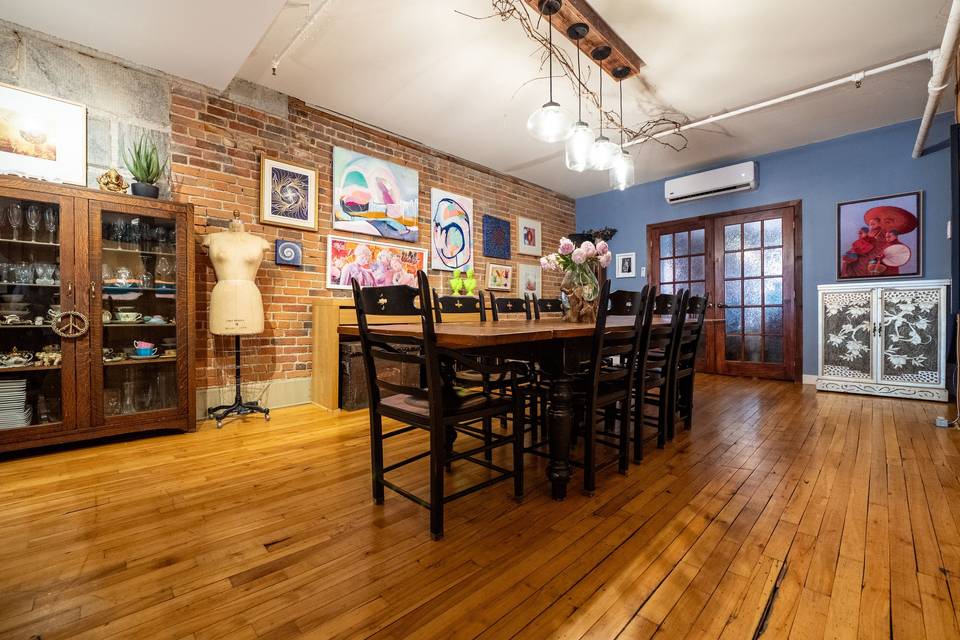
(139, 325)
(139, 251)
(30, 243)
(29, 367)
(128, 363)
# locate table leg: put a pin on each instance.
(561, 427)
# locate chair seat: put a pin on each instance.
(457, 404)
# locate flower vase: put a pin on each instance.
(582, 289)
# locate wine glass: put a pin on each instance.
(15, 217)
(33, 221)
(50, 222)
(116, 232)
(164, 271)
(134, 233)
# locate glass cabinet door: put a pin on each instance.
(137, 330)
(37, 382)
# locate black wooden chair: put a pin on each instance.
(438, 406)
(510, 307)
(690, 338)
(553, 306)
(456, 305)
(608, 387)
(627, 303)
(656, 386)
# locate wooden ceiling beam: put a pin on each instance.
(601, 34)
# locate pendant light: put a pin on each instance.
(602, 151)
(580, 138)
(549, 123)
(623, 172)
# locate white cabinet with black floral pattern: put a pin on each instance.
(884, 338)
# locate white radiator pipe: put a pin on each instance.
(855, 78)
(939, 79)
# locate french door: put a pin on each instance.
(748, 263)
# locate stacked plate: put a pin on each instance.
(14, 411)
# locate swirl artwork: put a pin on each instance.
(374, 197)
(496, 238)
(451, 235)
(288, 252)
(288, 195)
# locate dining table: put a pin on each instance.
(561, 350)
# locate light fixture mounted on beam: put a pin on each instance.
(549, 123)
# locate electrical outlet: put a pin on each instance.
(942, 422)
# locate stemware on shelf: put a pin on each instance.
(15, 218)
(164, 270)
(117, 229)
(33, 221)
(134, 233)
(50, 222)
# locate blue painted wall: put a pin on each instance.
(862, 165)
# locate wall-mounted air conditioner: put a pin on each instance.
(736, 177)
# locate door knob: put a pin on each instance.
(722, 306)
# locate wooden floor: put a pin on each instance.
(785, 513)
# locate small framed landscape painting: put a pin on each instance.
(626, 265)
(288, 195)
(499, 277)
(372, 263)
(496, 238)
(530, 279)
(42, 137)
(529, 241)
(880, 237)
(451, 235)
(374, 197)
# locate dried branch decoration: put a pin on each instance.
(519, 11)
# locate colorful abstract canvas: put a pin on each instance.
(499, 277)
(374, 197)
(451, 235)
(372, 263)
(496, 238)
(530, 279)
(880, 237)
(288, 195)
(529, 241)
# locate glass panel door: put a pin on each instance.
(37, 386)
(136, 329)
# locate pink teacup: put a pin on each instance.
(140, 344)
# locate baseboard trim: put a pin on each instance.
(279, 393)
(809, 378)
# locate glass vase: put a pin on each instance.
(581, 289)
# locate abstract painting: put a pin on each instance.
(880, 237)
(496, 238)
(529, 241)
(451, 235)
(42, 137)
(626, 264)
(530, 279)
(288, 195)
(499, 277)
(374, 197)
(288, 252)
(372, 263)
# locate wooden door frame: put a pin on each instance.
(713, 314)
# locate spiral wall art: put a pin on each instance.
(451, 237)
(288, 195)
(288, 252)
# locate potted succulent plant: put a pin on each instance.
(143, 162)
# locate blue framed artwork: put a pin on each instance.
(288, 252)
(496, 238)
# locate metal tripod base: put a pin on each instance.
(239, 407)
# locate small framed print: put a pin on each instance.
(529, 240)
(288, 195)
(499, 277)
(288, 252)
(626, 265)
(530, 279)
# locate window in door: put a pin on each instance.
(683, 261)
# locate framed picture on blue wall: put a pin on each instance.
(626, 265)
(880, 237)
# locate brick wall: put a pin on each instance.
(216, 146)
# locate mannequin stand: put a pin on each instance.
(239, 407)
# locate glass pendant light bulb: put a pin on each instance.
(579, 143)
(602, 153)
(549, 123)
(623, 171)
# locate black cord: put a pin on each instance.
(550, 39)
(579, 88)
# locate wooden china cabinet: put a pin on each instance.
(86, 274)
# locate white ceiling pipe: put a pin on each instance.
(298, 36)
(939, 79)
(855, 78)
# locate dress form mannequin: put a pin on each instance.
(236, 308)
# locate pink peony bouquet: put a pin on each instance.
(568, 257)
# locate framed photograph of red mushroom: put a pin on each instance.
(880, 237)
(288, 195)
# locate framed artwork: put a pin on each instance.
(530, 279)
(451, 235)
(626, 265)
(496, 238)
(499, 277)
(529, 241)
(288, 252)
(288, 195)
(880, 237)
(374, 197)
(42, 137)
(372, 263)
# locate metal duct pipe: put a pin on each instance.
(939, 80)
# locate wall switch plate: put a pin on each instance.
(949, 229)
(942, 422)
(643, 272)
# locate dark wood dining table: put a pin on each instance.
(560, 348)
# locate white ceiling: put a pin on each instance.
(420, 69)
(203, 40)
